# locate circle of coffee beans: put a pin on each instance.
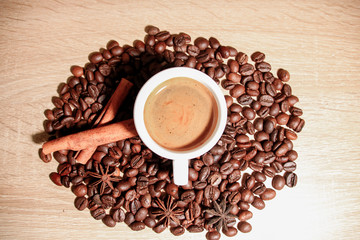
(261, 125)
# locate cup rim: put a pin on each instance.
(161, 77)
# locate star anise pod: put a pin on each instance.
(105, 178)
(167, 211)
(221, 215)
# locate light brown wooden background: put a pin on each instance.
(317, 41)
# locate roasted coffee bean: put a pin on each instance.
(151, 30)
(269, 171)
(129, 218)
(241, 58)
(257, 57)
(212, 193)
(289, 166)
(137, 161)
(292, 155)
(246, 69)
(149, 222)
(270, 89)
(248, 181)
(193, 175)
(274, 109)
(260, 157)
(282, 118)
(198, 164)
(214, 179)
(261, 136)
(199, 196)
(245, 99)
(98, 213)
(245, 215)
(234, 198)
(248, 113)
(258, 188)
(224, 51)
(269, 126)
(244, 227)
(81, 203)
(145, 200)
(193, 50)
(282, 150)
(283, 75)
(268, 194)
(130, 195)
(159, 228)
(48, 127)
(217, 150)
(95, 57)
(290, 179)
(203, 57)
(64, 169)
(277, 166)
(234, 67)
(226, 168)
(258, 203)
(137, 226)
(118, 215)
(266, 100)
(269, 77)
(162, 36)
(300, 126)
(258, 124)
(116, 51)
(198, 185)
(247, 196)
(177, 231)
(55, 178)
(208, 159)
(242, 138)
(195, 229)
(229, 101)
(109, 221)
(141, 214)
(201, 43)
(258, 78)
(214, 43)
(251, 154)
(296, 111)
(263, 67)
(244, 205)
(65, 181)
(234, 77)
(213, 235)
(76, 180)
(230, 231)
(204, 173)
(228, 85)
(235, 108)
(80, 190)
(188, 196)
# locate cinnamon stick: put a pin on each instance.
(93, 137)
(107, 115)
(110, 110)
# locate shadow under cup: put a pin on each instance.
(180, 113)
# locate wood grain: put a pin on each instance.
(317, 41)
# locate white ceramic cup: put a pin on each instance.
(180, 158)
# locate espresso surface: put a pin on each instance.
(180, 114)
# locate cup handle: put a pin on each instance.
(181, 172)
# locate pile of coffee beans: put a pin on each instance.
(126, 182)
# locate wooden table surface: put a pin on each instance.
(317, 41)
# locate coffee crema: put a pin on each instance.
(180, 114)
